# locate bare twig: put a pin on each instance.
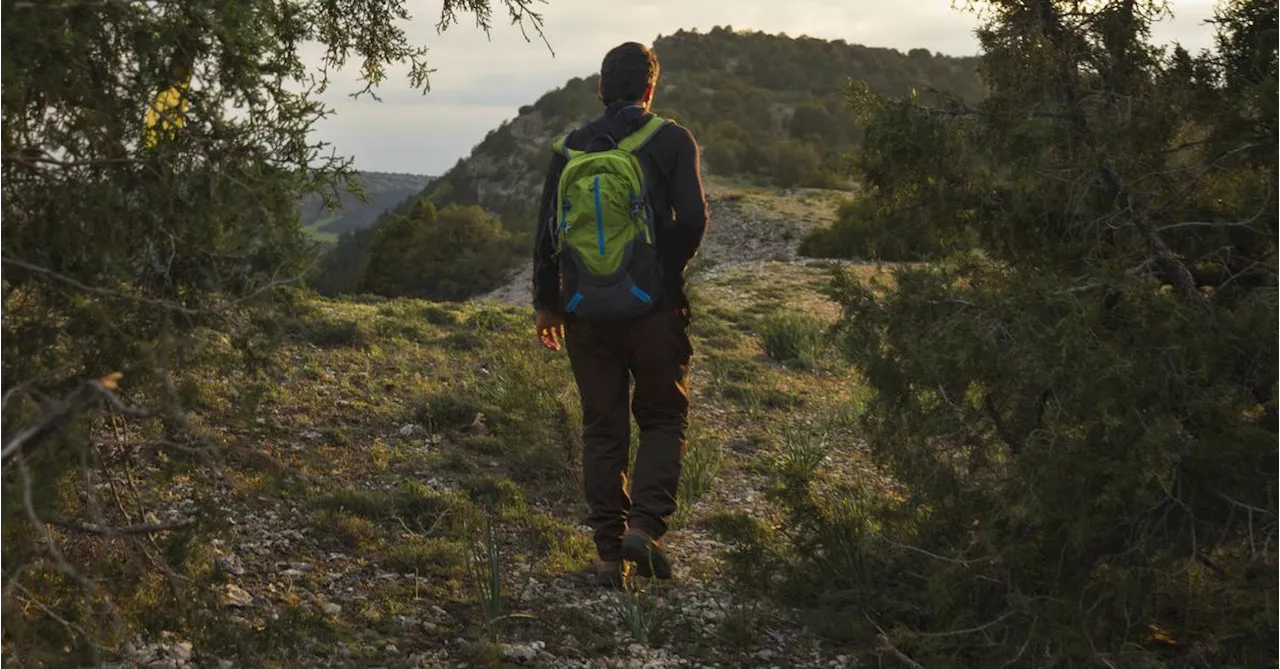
(887, 646)
(1023, 649)
(58, 414)
(1201, 175)
(63, 6)
(1249, 507)
(111, 482)
(1203, 224)
(18, 388)
(72, 627)
(15, 578)
(274, 283)
(971, 630)
(172, 306)
(914, 549)
(55, 553)
(108, 531)
(36, 158)
(1170, 266)
(1267, 204)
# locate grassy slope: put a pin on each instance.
(349, 510)
(382, 464)
(315, 231)
(396, 422)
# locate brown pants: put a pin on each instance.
(654, 350)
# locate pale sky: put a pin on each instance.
(479, 84)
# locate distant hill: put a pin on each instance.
(768, 109)
(384, 191)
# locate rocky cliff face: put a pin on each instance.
(509, 180)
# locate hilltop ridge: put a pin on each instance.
(766, 109)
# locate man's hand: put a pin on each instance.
(550, 329)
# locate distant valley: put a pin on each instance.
(383, 191)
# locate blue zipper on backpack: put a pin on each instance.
(599, 216)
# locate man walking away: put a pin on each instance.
(623, 212)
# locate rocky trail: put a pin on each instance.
(276, 558)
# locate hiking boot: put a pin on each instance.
(611, 574)
(651, 561)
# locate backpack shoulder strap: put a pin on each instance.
(636, 140)
(561, 147)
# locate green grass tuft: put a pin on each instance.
(703, 461)
(423, 555)
(642, 617)
(792, 339)
(446, 412)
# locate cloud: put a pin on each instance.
(482, 80)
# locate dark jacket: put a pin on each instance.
(671, 164)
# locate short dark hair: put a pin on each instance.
(628, 70)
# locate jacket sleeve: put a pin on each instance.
(687, 200)
(546, 270)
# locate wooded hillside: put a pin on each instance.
(381, 191)
(766, 108)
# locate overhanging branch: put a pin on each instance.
(57, 415)
(62, 278)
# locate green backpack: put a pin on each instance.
(604, 234)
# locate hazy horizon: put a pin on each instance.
(479, 84)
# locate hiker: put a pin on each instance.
(623, 212)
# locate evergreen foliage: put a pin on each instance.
(143, 268)
(1080, 413)
(342, 268)
(449, 255)
(868, 231)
